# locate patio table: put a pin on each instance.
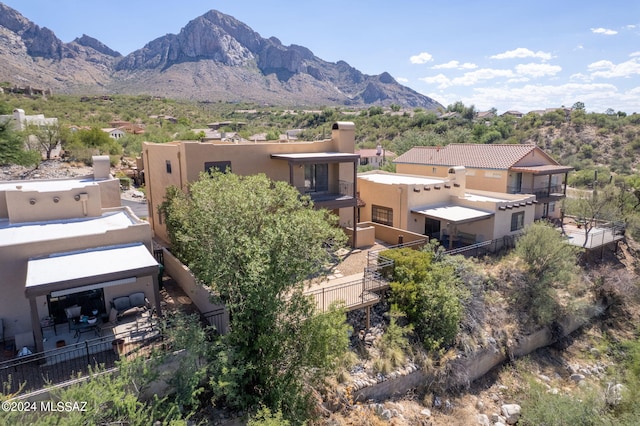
(83, 327)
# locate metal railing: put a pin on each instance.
(539, 192)
(345, 188)
(352, 294)
(218, 318)
(374, 260)
(32, 372)
(484, 247)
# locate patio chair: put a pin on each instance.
(72, 312)
(25, 340)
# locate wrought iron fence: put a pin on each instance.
(28, 373)
(218, 318)
(353, 294)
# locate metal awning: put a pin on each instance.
(63, 271)
(453, 214)
(547, 169)
(317, 157)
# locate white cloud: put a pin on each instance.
(518, 80)
(421, 58)
(580, 77)
(441, 80)
(455, 65)
(538, 70)
(522, 52)
(607, 69)
(604, 31)
(469, 78)
(402, 79)
(597, 97)
(634, 54)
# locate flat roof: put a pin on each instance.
(302, 157)
(31, 232)
(82, 265)
(398, 179)
(48, 185)
(484, 198)
(455, 214)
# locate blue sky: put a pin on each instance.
(508, 55)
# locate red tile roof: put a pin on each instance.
(481, 156)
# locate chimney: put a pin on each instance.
(101, 167)
(457, 179)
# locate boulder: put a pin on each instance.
(511, 413)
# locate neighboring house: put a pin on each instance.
(20, 120)
(505, 168)
(375, 157)
(326, 170)
(485, 115)
(125, 126)
(114, 133)
(69, 242)
(442, 208)
(513, 113)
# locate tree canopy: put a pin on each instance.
(255, 242)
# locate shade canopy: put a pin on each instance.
(63, 271)
(453, 214)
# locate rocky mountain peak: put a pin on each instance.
(40, 42)
(214, 57)
(91, 42)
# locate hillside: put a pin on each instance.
(214, 58)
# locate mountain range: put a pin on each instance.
(214, 58)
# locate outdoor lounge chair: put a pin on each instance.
(134, 304)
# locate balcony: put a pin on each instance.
(541, 192)
(333, 200)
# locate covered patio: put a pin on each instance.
(458, 221)
(114, 271)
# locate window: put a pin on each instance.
(168, 164)
(221, 166)
(517, 221)
(383, 215)
(316, 177)
(434, 170)
(493, 175)
(364, 161)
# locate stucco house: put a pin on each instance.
(67, 243)
(375, 157)
(443, 208)
(20, 120)
(114, 132)
(505, 168)
(325, 170)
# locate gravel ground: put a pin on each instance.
(49, 169)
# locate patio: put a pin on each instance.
(66, 354)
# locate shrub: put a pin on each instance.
(428, 294)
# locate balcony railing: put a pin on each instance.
(539, 191)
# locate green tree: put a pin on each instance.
(549, 263)
(255, 242)
(592, 206)
(428, 292)
(12, 148)
(48, 137)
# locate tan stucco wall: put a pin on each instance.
(188, 162)
(486, 180)
(35, 206)
(402, 198)
(14, 306)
